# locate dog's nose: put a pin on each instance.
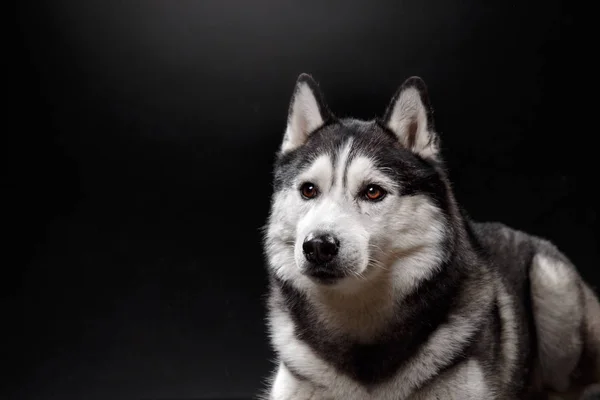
(320, 249)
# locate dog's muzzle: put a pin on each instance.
(321, 250)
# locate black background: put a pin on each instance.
(140, 142)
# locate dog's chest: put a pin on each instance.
(324, 377)
(372, 362)
(310, 351)
(368, 364)
(344, 377)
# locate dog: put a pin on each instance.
(381, 287)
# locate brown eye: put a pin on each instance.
(374, 192)
(308, 190)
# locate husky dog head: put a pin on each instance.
(355, 201)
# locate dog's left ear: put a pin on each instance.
(307, 113)
(409, 117)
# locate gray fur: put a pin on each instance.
(424, 303)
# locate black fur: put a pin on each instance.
(370, 363)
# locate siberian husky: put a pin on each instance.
(381, 287)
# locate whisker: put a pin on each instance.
(378, 264)
(359, 275)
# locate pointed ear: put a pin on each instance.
(307, 112)
(409, 117)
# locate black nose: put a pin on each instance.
(320, 249)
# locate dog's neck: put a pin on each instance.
(361, 312)
(366, 308)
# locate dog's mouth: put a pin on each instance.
(324, 274)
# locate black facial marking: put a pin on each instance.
(413, 175)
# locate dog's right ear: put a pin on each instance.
(307, 113)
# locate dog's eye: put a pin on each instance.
(374, 193)
(309, 190)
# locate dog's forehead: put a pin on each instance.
(365, 138)
(343, 142)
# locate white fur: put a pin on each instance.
(342, 160)
(510, 339)
(418, 233)
(409, 122)
(557, 318)
(464, 382)
(304, 118)
(286, 387)
(319, 173)
(362, 171)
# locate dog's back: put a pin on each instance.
(561, 311)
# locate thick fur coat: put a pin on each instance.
(381, 287)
